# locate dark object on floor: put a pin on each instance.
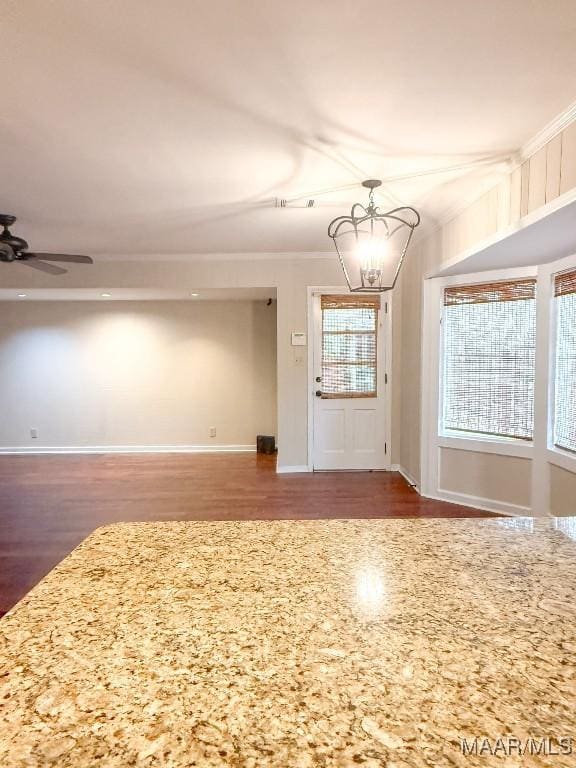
(266, 444)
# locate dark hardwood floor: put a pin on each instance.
(48, 504)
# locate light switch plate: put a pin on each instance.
(298, 339)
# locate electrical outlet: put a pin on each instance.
(212, 431)
(33, 432)
(298, 358)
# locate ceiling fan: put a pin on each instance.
(13, 248)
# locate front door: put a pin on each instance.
(349, 382)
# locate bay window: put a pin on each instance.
(489, 339)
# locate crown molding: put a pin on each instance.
(193, 257)
(538, 141)
(554, 127)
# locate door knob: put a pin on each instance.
(318, 379)
(318, 393)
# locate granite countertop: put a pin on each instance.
(295, 644)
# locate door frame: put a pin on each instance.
(313, 291)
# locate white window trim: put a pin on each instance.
(553, 454)
(561, 458)
(433, 438)
(491, 443)
(504, 446)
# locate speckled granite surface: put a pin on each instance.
(294, 644)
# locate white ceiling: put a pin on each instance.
(168, 126)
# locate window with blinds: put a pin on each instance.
(489, 357)
(349, 345)
(565, 378)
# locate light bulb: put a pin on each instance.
(372, 253)
(369, 253)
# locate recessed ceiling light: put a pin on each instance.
(194, 294)
(22, 295)
(106, 295)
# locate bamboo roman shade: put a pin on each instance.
(489, 358)
(565, 283)
(565, 376)
(486, 292)
(350, 301)
(349, 345)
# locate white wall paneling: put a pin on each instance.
(568, 159)
(553, 163)
(537, 180)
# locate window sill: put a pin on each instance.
(501, 446)
(563, 459)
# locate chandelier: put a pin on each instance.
(371, 245)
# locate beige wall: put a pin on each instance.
(421, 259)
(290, 277)
(486, 475)
(562, 491)
(407, 352)
(142, 373)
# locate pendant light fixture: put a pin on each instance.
(371, 245)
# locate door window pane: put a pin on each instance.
(349, 341)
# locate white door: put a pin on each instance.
(349, 382)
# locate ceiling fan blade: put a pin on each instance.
(69, 257)
(50, 269)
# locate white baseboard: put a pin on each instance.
(32, 450)
(488, 505)
(466, 500)
(287, 470)
(406, 475)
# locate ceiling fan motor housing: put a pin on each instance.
(17, 244)
(6, 219)
(13, 248)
